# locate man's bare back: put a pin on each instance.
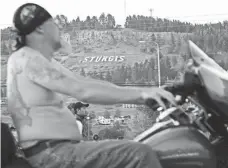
(38, 113)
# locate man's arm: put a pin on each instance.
(41, 71)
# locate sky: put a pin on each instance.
(196, 11)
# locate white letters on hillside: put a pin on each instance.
(104, 59)
(129, 106)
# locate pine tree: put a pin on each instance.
(153, 37)
(160, 40)
(150, 75)
(95, 75)
(133, 75)
(4, 49)
(101, 77)
(172, 43)
(178, 45)
(82, 72)
(108, 76)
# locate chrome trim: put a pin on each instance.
(165, 114)
(154, 128)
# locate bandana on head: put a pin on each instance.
(28, 17)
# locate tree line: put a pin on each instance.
(167, 25)
(98, 23)
(157, 24)
(104, 21)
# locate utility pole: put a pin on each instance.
(88, 122)
(151, 11)
(158, 61)
(125, 7)
(159, 68)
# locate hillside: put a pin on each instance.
(125, 42)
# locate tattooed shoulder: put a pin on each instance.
(41, 70)
(16, 61)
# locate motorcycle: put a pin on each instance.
(197, 137)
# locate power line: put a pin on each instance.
(221, 14)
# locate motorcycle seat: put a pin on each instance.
(9, 158)
(19, 162)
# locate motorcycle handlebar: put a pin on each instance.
(190, 83)
(176, 89)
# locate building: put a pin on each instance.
(103, 121)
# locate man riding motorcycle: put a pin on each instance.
(46, 128)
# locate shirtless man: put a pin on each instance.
(46, 128)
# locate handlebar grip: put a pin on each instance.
(152, 104)
(190, 83)
(176, 89)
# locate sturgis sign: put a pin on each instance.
(103, 59)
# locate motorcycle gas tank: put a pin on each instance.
(182, 147)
